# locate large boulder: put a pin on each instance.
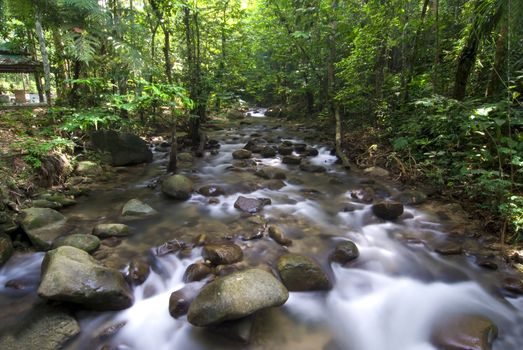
(178, 187)
(302, 273)
(388, 210)
(6, 248)
(251, 205)
(72, 275)
(471, 332)
(124, 148)
(111, 230)
(136, 207)
(43, 226)
(222, 254)
(236, 296)
(44, 328)
(88, 243)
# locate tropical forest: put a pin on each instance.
(261, 174)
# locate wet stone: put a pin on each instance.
(251, 205)
(211, 191)
(465, 332)
(180, 300)
(171, 246)
(178, 187)
(312, 168)
(196, 272)
(344, 252)
(6, 248)
(241, 154)
(388, 210)
(135, 207)
(285, 150)
(111, 230)
(449, 248)
(235, 296)
(222, 254)
(88, 243)
(139, 270)
(513, 285)
(292, 160)
(302, 273)
(268, 152)
(278, 235)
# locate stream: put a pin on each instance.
(391, 297)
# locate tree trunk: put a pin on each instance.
(171, 167)
(60, 77)
(332, 87)
(39, 87)
(45, 57)
(495, 79)
(435, 68)
(166, 54)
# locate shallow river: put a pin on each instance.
(391, 297)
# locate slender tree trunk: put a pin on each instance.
(167, 55)
(172, 166)
(495, 79)
(338, 137)
(60, 77)
(437, 50)
(39, 87)
(414, 56)
(45, 57)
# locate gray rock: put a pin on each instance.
(449, 248)
(135, 207)
(471, 332)
(111, 230)
(293, 160)
(251, 205)
(411, 197)
(72, 275)
(88, 243)
(344, 252)
(58, 198)
(88, 168)
(139, 270)
(285, 150)
(222, 254)
(268, 152)
(6, 248)
(312, 168)
(273, 184)
(241, 154)
(388, 210)
(196, 272)
(236, 296)
(178, 187)
(211, 191)
(44, 328)
(43, 226)
(302, 273)
(44, 203)
(124, 148)
(277, 234)
(271, 173)
(180, 300)
(376, 171)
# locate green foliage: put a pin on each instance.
(34, 150)
(94, 118)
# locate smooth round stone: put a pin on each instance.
(85, 242)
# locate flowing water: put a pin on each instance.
(391, 297)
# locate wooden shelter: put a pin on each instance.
(19, 62)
